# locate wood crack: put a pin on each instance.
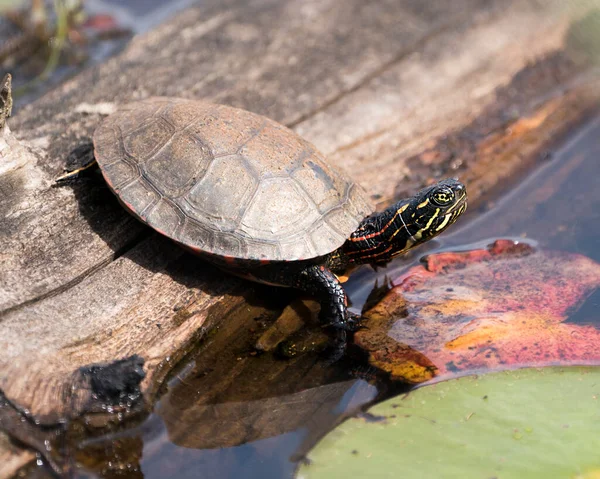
(367, 79)
(79, 278)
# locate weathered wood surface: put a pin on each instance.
(378, 86)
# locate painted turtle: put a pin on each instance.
(251, 196)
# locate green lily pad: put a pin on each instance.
(528, 423)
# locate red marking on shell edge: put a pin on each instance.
(229, 259)
(131, 208)
(107, 180)
(162, 232)
(193, 249)
(264, 261)
(105, 176)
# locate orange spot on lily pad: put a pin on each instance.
(486, 309)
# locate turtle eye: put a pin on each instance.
(442, 196)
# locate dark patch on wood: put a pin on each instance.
(117, 382)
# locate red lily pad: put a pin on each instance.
(496, 308)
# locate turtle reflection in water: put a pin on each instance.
(252, 197)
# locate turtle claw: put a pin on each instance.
(79, 162)
(352, 323)
(337, 348)
(339, 344)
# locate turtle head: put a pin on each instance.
(410, 222)
(428, 213)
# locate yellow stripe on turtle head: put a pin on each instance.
(424, 204)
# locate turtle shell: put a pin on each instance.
(225, 181)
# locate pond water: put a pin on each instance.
(128, 17)
(263, 432)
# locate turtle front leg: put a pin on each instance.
(320, 282)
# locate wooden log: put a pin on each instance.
(373, 84)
